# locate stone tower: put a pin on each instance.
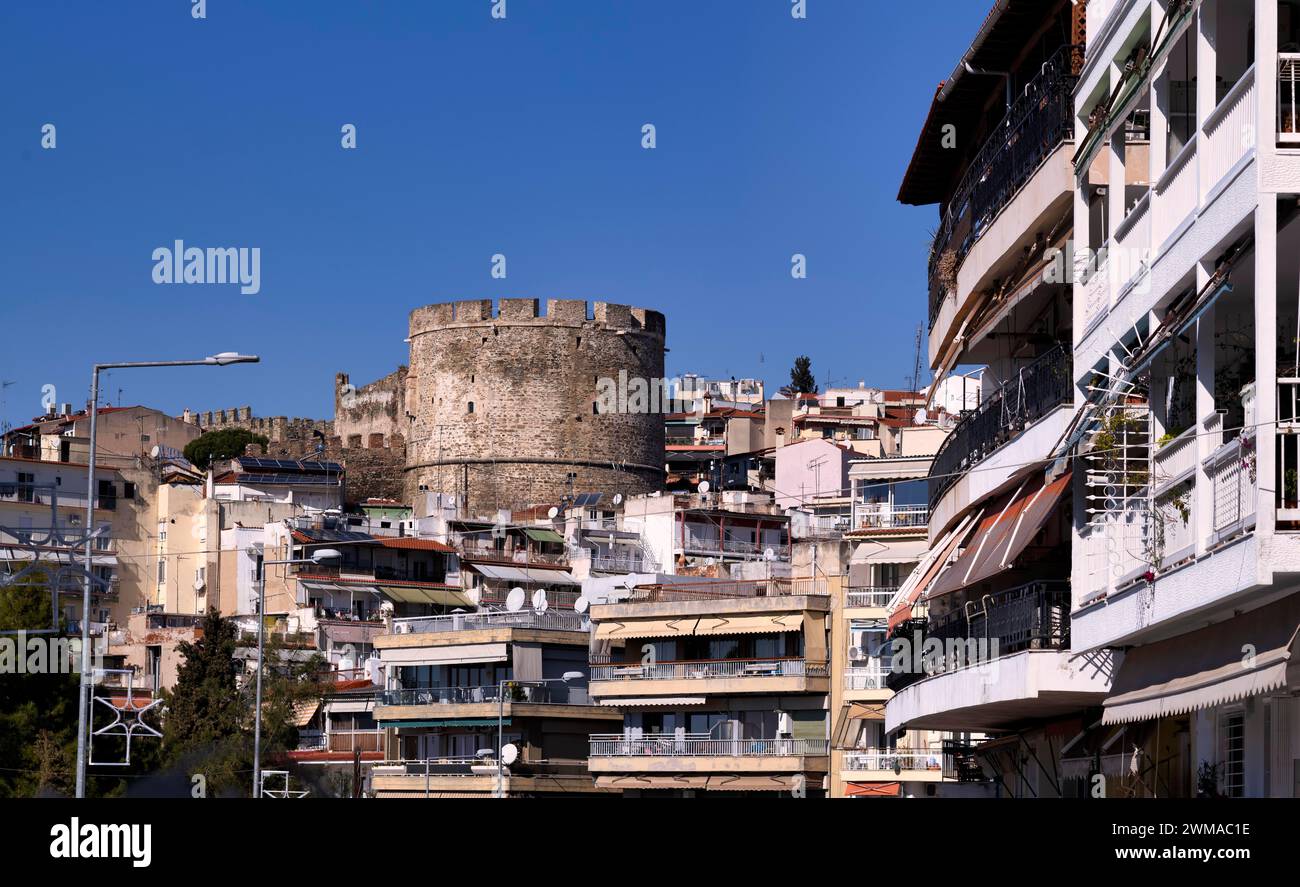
(503, 406)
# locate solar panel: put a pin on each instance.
(255, 478)
(585, 500)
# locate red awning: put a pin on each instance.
(873, 789)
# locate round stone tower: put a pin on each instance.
(507, 409)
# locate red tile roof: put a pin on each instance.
(412, 543)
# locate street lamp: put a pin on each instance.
(324, 555)
(566, 678)
(83, 705)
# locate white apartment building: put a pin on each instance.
(1186, 542)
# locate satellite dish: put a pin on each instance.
(509, 753)
(769, 554)
(921, 417)
(618, 498)
(552, 512)
(703, 487)
(515, 600)
(539, 600)
(155, 452)
(581, 605)
(198, 583)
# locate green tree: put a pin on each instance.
(801, 376)
(204, 726)
(224, 444)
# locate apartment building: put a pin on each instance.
(981, 645)
(43, 536)
(731, 534)
(1185, 538)
(491, 702)
(722, 686)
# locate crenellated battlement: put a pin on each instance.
(559, 312)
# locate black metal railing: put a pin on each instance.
(960, 763)
(1035, 616)
(1040, 120)
(1034, 392)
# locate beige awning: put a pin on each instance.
(904, 551)
(751, 783)
(659, 782)
(646, 628)
(850, 719)
(458, 654)
(654, 700)
(304, 711)
(1207, 667)
(415, 594)
(712, 625)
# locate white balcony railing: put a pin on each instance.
(705, 668)
(871, 515)
(690, 745)
(1228, 134)
(868, 676)
(1175, 194)
(870, 596)
(890, 760)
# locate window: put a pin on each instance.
(128, 490)
(26, 492)
(162, 571)
(1232, 753)
(471, 407)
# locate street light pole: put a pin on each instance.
(318, 557)
(225, 358)
(567, 677)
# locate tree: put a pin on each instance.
(801, 377)
(224, 444)
(204, 727)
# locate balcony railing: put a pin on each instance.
(869, 595)
(891, 760)
(690, 745)
(603, 669)
(877, 516)
(489, 552)
(866, 677)
(1039, 121)
(624, 564)
(557, 619)
(341, 740)
(495, 596)
(740, 588)
(554, 693)
(1034, 392)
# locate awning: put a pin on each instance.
(543, 535)
(350, 706)
(751, 783)
(904, 551)
(652, 782)
(713, 625)
(455, 654)
(495, 571)
(873, 789)
(850, 717)
(304, 711)
(550, 577)
(412, 594)
(1002, 537)
(655, 700)
(1207, 667)
(646, 628)
(920, 578)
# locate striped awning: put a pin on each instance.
(768, 623)
(654, 700)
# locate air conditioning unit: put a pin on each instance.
(403, 628)
(857, 654)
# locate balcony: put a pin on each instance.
(869, 596)
(702, 745)
(486, 551)
(537, 693)
(1005, 659)
(1039, 122)
(636, 563)
(1288, 98)
(472, 777)
(723, 590)
(1036, 390)
(605, 669)
(883, 516)
(495, 596)
(561, 620)
(907, 764)
(341, 742)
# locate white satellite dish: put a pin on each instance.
(618, 498)
(552, 512)
(509, 753)
(921, 417)
(703, 487)
(515, 600)
(155, 452)
(539, 600)
(769, 554)
(581, 605)
(198, 583)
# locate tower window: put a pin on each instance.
(471, 406)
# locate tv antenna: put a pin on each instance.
(916, 362)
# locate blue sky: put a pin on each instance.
(474, 137)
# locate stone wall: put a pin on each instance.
(504, 402)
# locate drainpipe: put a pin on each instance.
(964, 66)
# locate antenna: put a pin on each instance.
(916, 363)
